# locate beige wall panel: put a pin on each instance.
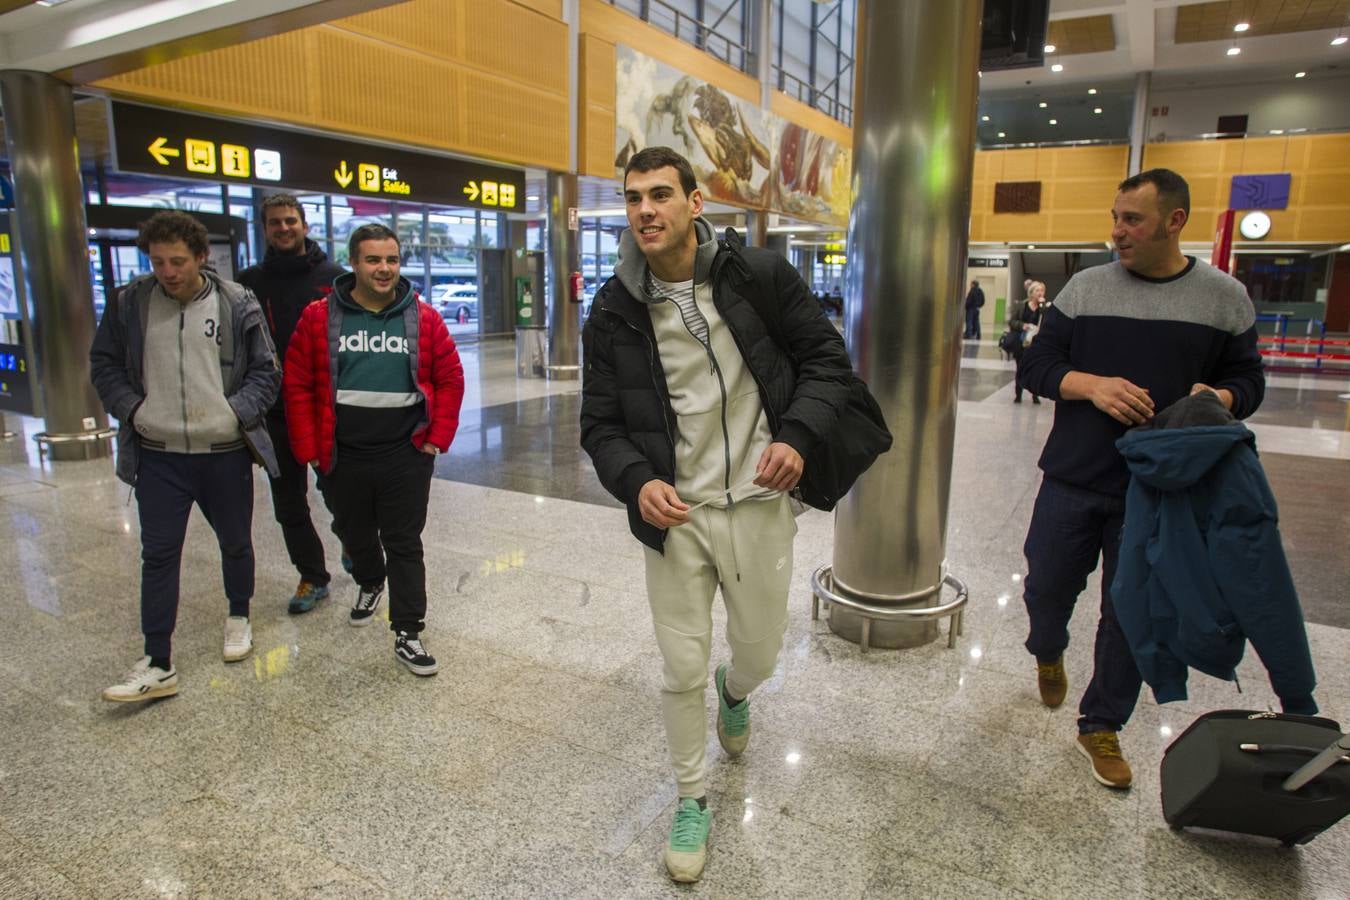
(1195, 156)
(810, 118)
(240, 79)
(1322, 224)
(448, 104)
(1077, 196)
(552, 8)
(493, 35)
(598, 67)
(1016, 227)
(1207, 190)
(1328, 151)
(598, 150)
(1322, 189)
(603, 21)
(1017, 165)
(1255, 156)
(1108, 164)
(1075, 227)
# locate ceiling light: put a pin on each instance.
(1242, 26)
(1092, 90)
(1338, 40)
(984, 118)
(1049, 48)
(1234, 51)
(1097, 110)
(1300, 74)
(532, 198)
(1043, 104)
(1056, 68)
(1277, 131)
(1002, 134)
(1029, 247)
(1054, 121)
(50, 2)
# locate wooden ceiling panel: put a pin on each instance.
(1214, 21)
(1088, 34)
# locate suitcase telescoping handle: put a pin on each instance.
(1318, 764)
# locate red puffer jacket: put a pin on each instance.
(309, 379)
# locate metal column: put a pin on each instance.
(1139, 121)
(914, 142)
(563, 258)
(49, 217)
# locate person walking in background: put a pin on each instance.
(1025, 323)
(974, 302)
(293, 273)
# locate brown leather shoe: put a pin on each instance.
(1102, 748)
(1053, 681)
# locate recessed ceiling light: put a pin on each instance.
(1097, 110)
(1031, 246)
(1056, 68)
(1049, 48)
(50, 2)
(1338, 40)
(533, 198)
(1043, 104)
(1092, 90)
(1277, 131)
(984, 118)
(1054, 121)
(1242, 26)
(1002, 134)
(1234, 51)
(1300, 74)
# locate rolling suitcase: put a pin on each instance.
(1279, 776)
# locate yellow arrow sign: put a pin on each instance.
(161, 151)
(343, 175)
(472, 191)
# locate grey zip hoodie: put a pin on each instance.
(722, 428)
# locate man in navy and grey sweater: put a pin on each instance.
(1122, 341)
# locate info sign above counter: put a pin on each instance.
(173, 144)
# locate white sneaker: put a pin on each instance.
(146, 682)
(238, 638)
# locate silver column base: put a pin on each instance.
(71, 447)
(895, 624)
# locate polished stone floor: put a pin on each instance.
(534, 763)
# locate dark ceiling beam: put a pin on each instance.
(229, 36)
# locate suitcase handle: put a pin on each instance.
(1286, 748)
(1318, 764)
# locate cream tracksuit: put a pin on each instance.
(741, 540)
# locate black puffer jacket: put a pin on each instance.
(284, 285)
(627, 423)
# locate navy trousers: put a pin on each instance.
(290, 505)
(972, 324)
(1070, 528)
(167, 485)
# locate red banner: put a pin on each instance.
(1222, 257)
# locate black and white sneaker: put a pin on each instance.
(367, 601)
(412, 654)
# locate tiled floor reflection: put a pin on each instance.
(534, 765)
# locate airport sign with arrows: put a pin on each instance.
(174, 144)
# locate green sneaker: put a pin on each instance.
(733, 722)
(687, 849)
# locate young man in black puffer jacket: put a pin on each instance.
(712, 383)
(293, 273)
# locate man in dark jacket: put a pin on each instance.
(294, 273)
(183, 361)
(710, 375)
(974, 302)
(1120, 341)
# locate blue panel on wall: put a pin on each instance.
(1260, 192)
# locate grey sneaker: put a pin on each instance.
(367, 601)
(238, 638)
(145, 682)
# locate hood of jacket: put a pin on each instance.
(1183, 442)
(289, 265)
(632, 268)
(403, 291)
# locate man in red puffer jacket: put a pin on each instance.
(372, 385)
